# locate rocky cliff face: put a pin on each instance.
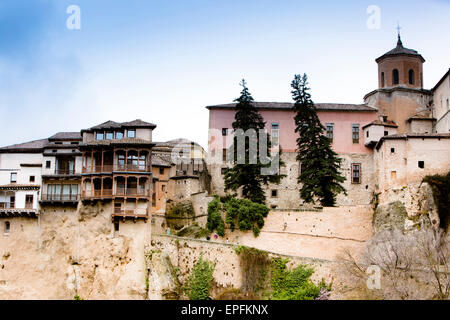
(406, 208)
(73, 252)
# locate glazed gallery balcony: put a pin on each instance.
(121, 186)
(117, 168)
(63, 198)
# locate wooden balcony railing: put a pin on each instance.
(60, 197)
(121, 192)
(120, 168)
(139, 212)
(7, 205)
(65, 172)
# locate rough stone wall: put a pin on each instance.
(184, 253)
(288, 196)
(73, 252)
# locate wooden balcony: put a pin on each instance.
(120, 192)
(130, 213)
(69, 198)
(116, 168)
(7, 209)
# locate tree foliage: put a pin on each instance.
(245, 214)
(248, 175)
(200, 281)
(319, 175)
(215, 221)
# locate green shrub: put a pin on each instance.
(200, 281)
(247, 215)
(215, 221)
(292, 284)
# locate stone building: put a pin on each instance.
(399, 112)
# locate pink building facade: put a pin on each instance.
(344, 124)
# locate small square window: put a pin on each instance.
(100, 136)
(13, 177)
(32, 178)
(131, 134)
(274, 193)
(161, 170)
(421, 164)
(109, 136)
(386, 133)
(392, 150)
(47, 164)
(225, 131)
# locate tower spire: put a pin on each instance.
(399, 42)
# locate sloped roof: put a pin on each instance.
(406, 136)
(66, 136)
(31, 146)
(138, 123)
(400, 50)
(289, 105)
(161, 159)
(388, 123)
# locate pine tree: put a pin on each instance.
(319, 163)
(248, 175)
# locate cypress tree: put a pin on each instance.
(320, 177)
(248, 175)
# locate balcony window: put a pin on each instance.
(29, 201)
(131, 134)
(119, 135)
(13, 177)
(109, 136)
(100, 136)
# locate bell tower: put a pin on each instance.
(400, 67)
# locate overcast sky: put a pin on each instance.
(164, 61)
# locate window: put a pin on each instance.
(448, 104)
(367, 133)
(100, 136)
(116, 226)
(395, 76)
(356, 173)
(74, 143)
(393, 175)
(330, 130)
(421, 164)
(163, 187)
(225, 131)
(13, 177)
(224, 155)
(386, 133)
(223, 170)
(109, 136)
(7, 227)
(275, 133)
(274, 193)
(355, 133)
(411, 76)
(48, 164)
(12, 202)
(131, 134)
(392, 150)
(29, 201)
(32, 178)
(161, 170)
(119, 135)
(382, 79)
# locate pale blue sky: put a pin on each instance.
(164, 61)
